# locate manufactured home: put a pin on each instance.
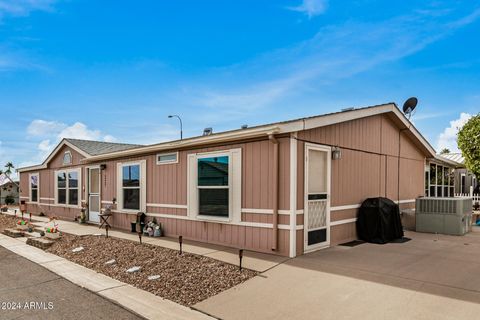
(285, 188)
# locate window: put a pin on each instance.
(440, 181)
(67, 158)
(213, 187)
(462, 184)
(34, 187)
(67, 185)
(131, 187)
(167, 158)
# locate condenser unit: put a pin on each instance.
(443, 215)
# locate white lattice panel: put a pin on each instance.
(317, 214)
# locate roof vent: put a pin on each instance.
(245, 126)
(348, 109)
(207, 131)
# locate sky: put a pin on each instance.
(114, 71)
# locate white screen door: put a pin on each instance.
(317, 197)
(94, 195)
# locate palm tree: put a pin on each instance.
(8, 171)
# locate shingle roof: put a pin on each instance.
(95, 148)
(457, 157)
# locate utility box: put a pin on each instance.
(451, 216)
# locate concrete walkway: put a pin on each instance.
(251, 260)
(30, 291)
(429, 277)
(141, 302)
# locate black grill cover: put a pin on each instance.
(379, 221)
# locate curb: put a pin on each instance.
(140, 302)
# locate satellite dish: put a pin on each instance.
(409, 106)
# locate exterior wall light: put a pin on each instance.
(336, 153)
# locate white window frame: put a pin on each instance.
(143, 186)
(63, 159)
(30, 187)
(234, 185)
(166, 154)
(67, 187)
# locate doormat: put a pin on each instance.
(353, 243)
(402, 240)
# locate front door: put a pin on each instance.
(94, 195)
(317, 197)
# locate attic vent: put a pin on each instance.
(348, 109)
(245, 126)
(207, 131)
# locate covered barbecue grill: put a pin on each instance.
(379, 221)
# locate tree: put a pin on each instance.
(445, 151)
(8, 172)
(469, 143)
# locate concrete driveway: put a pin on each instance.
(23, 282)
(429, 277)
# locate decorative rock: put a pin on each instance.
(134, 269)
(78, 249)
(109, 262)
(155, 277)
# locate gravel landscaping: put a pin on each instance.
(7, 221)
(186, 279)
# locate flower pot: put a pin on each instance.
(22, 227)
(50, 235)
(157, 232)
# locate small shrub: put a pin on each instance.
(9, 200)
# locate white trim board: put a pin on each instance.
(344, 221)
(241, 223)
(167, 205)
(293, 195)
(269, 211)
(356, 206)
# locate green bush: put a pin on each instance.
(9, 200)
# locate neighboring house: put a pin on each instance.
(9, 188)
(286, 188)
(464, 178)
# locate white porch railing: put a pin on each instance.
(474, 196)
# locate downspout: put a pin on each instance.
(274, 140)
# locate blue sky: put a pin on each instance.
(113, 71)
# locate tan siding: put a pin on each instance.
(343, 233)
(359, 175)
(343, 214)
(57, 161)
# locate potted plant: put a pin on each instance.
(52, 232)
(83, 215)
(22, 225)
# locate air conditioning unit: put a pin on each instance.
(443, 215)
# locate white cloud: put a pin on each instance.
(80, 131)
(311, 7)
(44, 145)
(24, 7)
(448, 138)
(53, 132)
(42, 127)
(336, 52)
